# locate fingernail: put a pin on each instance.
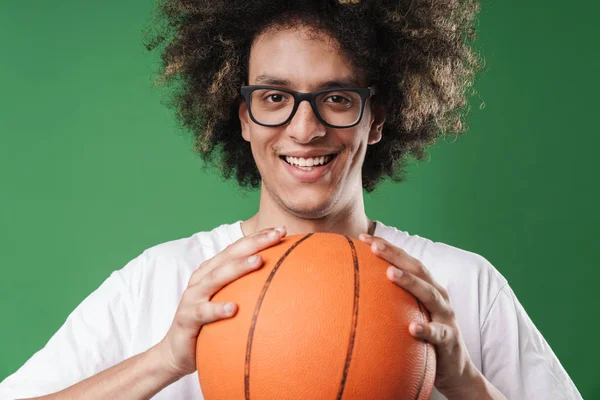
(229, 308)
(419, 328)
(390, 272)
(365, 236)
(252, 259)
(393, 272)
(273, 234)
(378, 246)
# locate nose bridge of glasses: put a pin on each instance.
(310, 113)
(308, 97)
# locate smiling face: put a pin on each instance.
(289, 157)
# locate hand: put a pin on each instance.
(178, 347)
(455, 370)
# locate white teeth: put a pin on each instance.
(307, 162)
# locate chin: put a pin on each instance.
(308, 208)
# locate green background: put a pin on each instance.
(94, 169)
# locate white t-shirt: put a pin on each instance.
(133, 309)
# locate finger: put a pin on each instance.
(194, 315)
(208, 312)
(241, 249)
(254, 243)
(422, 290)
(441, 335)
(218, 277)
(401, 259)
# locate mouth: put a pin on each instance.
(309, 163)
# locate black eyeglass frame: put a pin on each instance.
(364, 93)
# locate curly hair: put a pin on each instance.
(419, 53)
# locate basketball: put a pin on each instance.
(319, 320)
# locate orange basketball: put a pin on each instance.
(319, 320)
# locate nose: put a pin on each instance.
(305, 126)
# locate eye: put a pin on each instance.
(337, 99)
(275, 98)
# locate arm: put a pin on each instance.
(95, 338)
(517, 359)
(479, 389)
(139, 377)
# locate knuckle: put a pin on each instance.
(204, 264)
(443, 333)
(268, 235)
(435, 294)
(424, 271)
(210, 277)
(451, 313)
(198, 273)
(444, 292)
(185, 297)
(404, 278)
(188, 296)
(179, 321)
(262, 232)
(202, 311)
(230, 247)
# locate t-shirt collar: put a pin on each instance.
(235, 230)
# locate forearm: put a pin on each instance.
(138, 377)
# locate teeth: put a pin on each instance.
(308, 162)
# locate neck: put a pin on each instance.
(350, 220)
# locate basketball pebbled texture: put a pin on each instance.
(319, 320)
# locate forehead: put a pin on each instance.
(301, 58)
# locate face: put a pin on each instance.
(298, 60)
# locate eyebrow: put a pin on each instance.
(350, 81)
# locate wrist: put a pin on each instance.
(160, 365)
(476, 388)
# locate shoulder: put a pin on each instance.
(471, 279)
(177, 259)
(195, 247)
(437, 256)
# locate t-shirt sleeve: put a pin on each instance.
(94, 337)
(517, 359)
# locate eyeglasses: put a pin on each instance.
(273, 106)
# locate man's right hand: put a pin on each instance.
(145, 374)
(178, 347)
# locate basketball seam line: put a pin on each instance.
(257, 310)
(354, 318)
(426, 357)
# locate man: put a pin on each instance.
(381, 81)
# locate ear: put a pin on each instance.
(244, 120)
(376, 124)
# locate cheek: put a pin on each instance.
(359, 143)
(263, 145)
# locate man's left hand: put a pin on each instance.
(455, 373)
